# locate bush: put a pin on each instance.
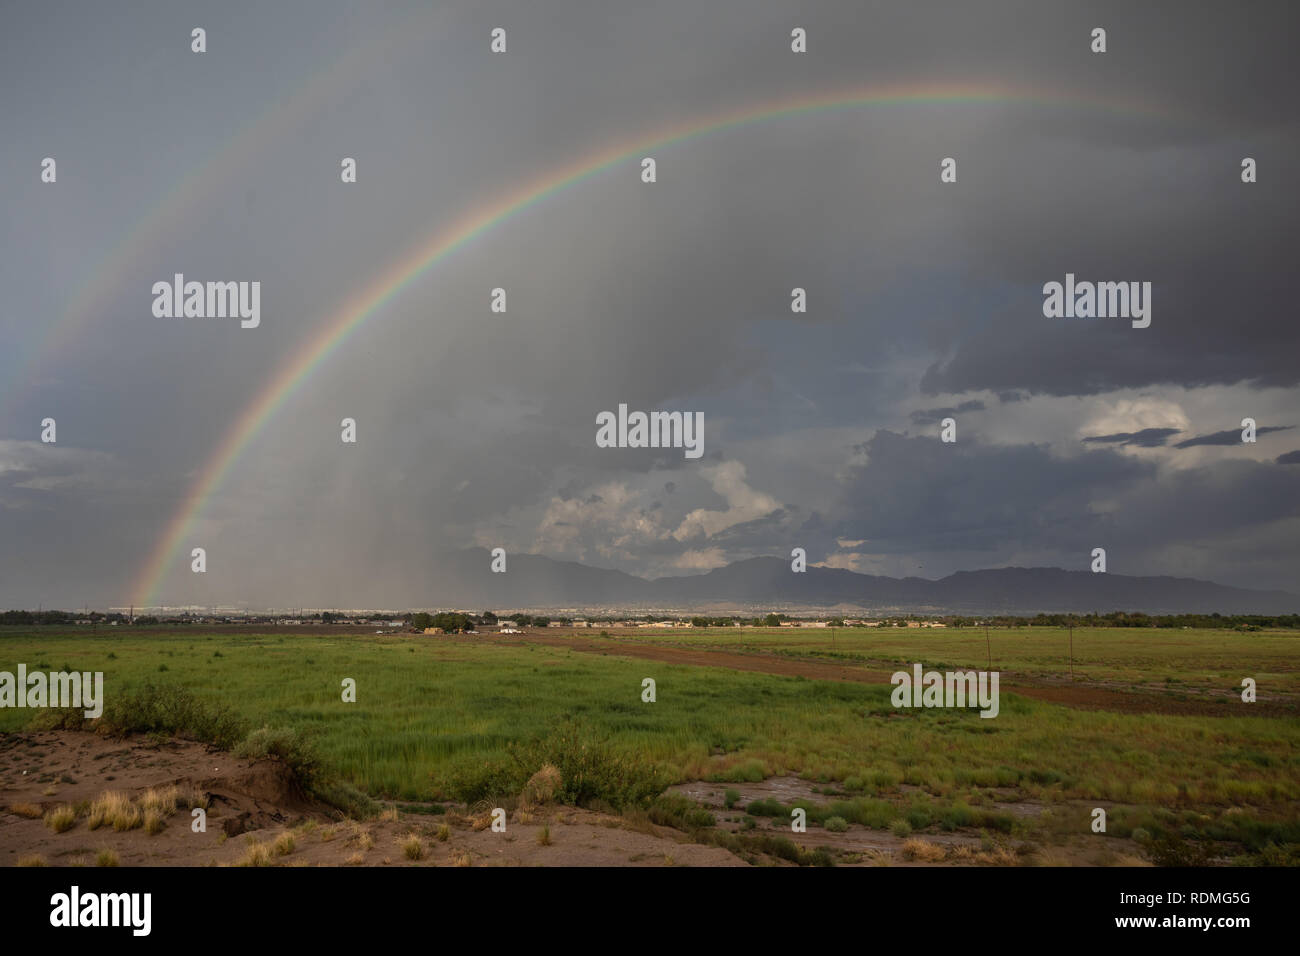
(766, 807)
(173, 710)
(674, 810)
(289, 747)
(1173, 850)
(591, 770)
(836, 824)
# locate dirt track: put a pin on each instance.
(1081, 695)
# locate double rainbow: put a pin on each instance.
(434, 249)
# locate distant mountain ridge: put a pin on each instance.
(536, 581)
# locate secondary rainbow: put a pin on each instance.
(139, 248)
(390, 283)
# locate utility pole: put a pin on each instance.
(989, 643)
(1071, 647)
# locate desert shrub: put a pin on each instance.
(287, 746)
(674, 810)
(152, 708)
(541, 787)
(1173, 850)
(836, 824)
(919, 818)
(58, 718)
(345, 798)
(766, 807)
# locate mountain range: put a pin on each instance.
(536, 581)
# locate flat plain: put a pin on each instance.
(747, 725)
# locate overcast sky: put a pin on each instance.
(821, 430)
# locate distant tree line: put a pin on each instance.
(449, 621)
(455, 621)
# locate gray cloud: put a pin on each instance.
(1230, 437)
(476, 427)
(929, 416)
(1146, 438)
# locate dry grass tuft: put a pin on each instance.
(361, 837)
(114, 809)
(61, 818)
(153, 821)
(412, 848)
(161, 800)
(923, 851)
(258, 854)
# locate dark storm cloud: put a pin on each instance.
(1146, 438)
(917, 495)
(666, 296)
(1289, 458)
(924, 495)
(928, 416)
(1229, 437)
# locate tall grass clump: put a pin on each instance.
(170, 709)
(591, 769)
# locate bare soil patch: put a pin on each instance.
(253, 802)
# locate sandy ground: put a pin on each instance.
(251, 802)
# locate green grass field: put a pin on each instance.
(437, 720)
